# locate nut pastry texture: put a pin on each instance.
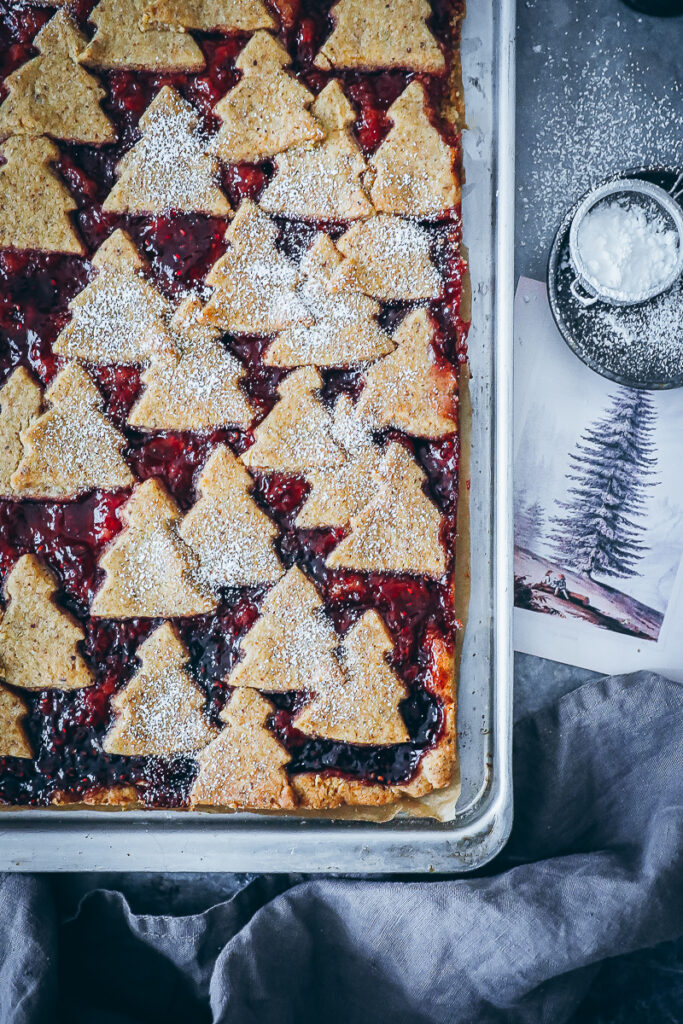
(232, 332)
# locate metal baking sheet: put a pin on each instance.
(78, 840)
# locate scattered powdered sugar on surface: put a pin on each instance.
(121, 313)
(167, 717)
(645, 342)
(595, 97)
(173, 168)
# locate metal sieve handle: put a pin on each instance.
(582, 294)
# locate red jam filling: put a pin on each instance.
(65, 729)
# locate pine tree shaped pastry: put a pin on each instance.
(399, 530)
(253, 282)
(161, 711)
(34, 203)
(389, 258)
(229, 533)
(381, 34)
(39, 641)
(365, 708)
(413, 170)
(267, 111)
(208, 15)
(149, 571)
(119, 317)
(72, 448)
(322, 182)
(292, 645)
(171, 167)
(407, 389)
(195, 388)
(345, 329)
(244, 767)
(20, 401)
(13, 739)
(296, 435)
(340, 492)
(120, 42)
(52, 94)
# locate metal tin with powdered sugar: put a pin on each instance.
(33, 840)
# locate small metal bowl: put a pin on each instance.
(584, 287)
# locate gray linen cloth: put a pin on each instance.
(594, 870)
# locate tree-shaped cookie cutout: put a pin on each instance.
(253, 282)
(340, 492)
(72, 448)
(371, 34)
(296, 435)
(208, 15)
(197, 386)
(268, 110)
(39, 641)
(292, 645)
(389, 258)
(13, 739)
(345, 329)
(365, 707)
(244, 767)
(161, 711)
(171, 167)
(119, 317)
(52, 94)
(231, 536)
(149, 571)
(121, 42)
(20, 402)
(34, 203)
(322, 182)
(399, 530)
(407, 389)
(413, 171)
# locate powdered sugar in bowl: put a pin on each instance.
(626, 243)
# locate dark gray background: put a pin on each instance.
(599, 89)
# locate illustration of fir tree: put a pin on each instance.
(529, 523)
(597, 532)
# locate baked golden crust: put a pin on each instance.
(208, 15)
(172, 167)
(322, 182)
(196, 386)
(345, 330)
(121, 42)
(34, 203)
(72, 448)
(407, 389)
(119, 317)
(384, 256)
(162, 710)
(52, 94)
(267, 112)
(413, 172)
(149, 571)
(13, 739)
(399, 530)
(231, 536)
(39, 640)
(376, 34)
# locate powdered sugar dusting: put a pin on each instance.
(119, 318)
(586, 117)
(171, 167)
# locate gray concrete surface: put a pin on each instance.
(599, 88)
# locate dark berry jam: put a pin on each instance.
(66, 729)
